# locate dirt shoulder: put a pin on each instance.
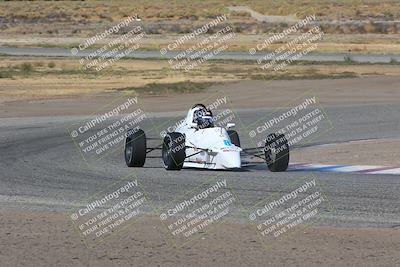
(48, 239)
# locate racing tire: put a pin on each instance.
(135, 148)
(173, 151)
(233, 135)
(276, 151)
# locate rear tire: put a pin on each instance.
(135, 148)
(233, 135)
(277, 152)
(174, 151)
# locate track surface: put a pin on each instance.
(320, 57)
(41, 169)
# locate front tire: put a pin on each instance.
(277, 152)
(174, 151)
(135, 148)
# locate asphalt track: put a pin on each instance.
(317, 57)
(41, 169)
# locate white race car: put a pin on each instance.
(197, 143)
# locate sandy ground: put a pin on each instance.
(48, 239)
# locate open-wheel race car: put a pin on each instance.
(198, 143)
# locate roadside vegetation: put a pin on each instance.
(79, 18)
(168, 88)
(368, 27)
(95, 11)
(17, 67)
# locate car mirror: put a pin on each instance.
(230, 125)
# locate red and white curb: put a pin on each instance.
(362, 169)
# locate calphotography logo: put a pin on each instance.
(293, 50)
(109, 211)
(214, 116)
(201, 46)
(198, 212)
(106, 132)
(122, 45)
(285, 214)
(300, 123)
(98, 37)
